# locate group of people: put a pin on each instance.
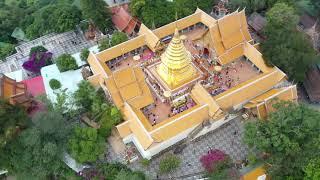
(150, 115)
(180, 107)
(225, 80)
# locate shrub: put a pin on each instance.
(54, 84)
(209, 161)
(85, 145)
(108, 120)
(37, 61)
(6, 50)
(169, 163)
(104, 44)
(145, 162)
(37, 49)
(118, 37)
(84, 54)
(224, 170)
(66, 62)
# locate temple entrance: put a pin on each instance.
(206, 52)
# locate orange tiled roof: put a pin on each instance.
(123, 20)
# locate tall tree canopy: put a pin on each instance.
(118, 37)
(85, 145)
(38, 151)
(98, 12)
(11, 117)
(53, 18)
(159, 12)
(290, 136)
(285, 47)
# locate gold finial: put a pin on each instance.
(176, 20)
(176, 15)
(153, 26)
(176, 33)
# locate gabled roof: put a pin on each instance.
(128, 86)
(307, 21)
(257, 22)
(122, 19)
(35, 86)
(151, 39)
(14, 92)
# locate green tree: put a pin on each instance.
(126, 175)
(187, 7)
(37, 151)
(169, 163)
(83, 96)
(290, 137)
(53, 18)
(118, 37)
(12, 118)
(66, 62)
(85, 145)
(285, 47)
(6, 50)
(250, 5)
(104, 44)
(112, 171)
(37, 49)
(136, 7)
(88, 99)
(10, 17)
(110, 118)
(84, 54)
(98, 12)
(152, 11)
(312, 170)
(66, 18)
(54, 84)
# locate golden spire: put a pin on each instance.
(176, 67)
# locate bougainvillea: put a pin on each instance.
(212, 158)
(37, 61)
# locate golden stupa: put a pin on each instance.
(176, 67)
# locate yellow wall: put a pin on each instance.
(231, 54)
(255, 57)
(95, 80)
(171, 129)
(249, 89)
(254, 174)
(137, 128)
(94, 64)
(124, 129)
(180, 24)
(262, 111)
(120, 49)
(289, 94)
(203, 97)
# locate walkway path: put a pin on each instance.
(223, 138)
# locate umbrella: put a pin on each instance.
(136, 58)
(217, 68)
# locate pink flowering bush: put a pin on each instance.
(214, 157)
(37, 60)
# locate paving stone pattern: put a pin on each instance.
(222, 138)
(69, 42)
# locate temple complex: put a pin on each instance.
(187, 78)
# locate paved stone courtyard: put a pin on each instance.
(222, 138)
(68, 42)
